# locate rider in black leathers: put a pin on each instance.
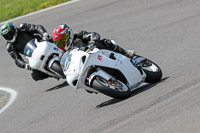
(64, 38)
(18, 37)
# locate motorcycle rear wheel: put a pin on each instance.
(152, 70)
(115, 89)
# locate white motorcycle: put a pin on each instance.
(44, 56)
(108, 72)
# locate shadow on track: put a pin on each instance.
(134, 93)
(58, 86)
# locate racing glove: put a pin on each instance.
(45, 36)
(93, 36)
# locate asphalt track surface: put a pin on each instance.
(166, 31)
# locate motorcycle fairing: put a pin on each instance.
(77, 70)
(39, 52)
(120, 62)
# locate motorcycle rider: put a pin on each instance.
(18, 37)
(64, 38)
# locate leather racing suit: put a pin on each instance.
(26, 32)
(83, 38)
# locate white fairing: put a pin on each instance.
(41, 54)
(121, 63)
(76, 69)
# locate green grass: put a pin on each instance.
(14, 8)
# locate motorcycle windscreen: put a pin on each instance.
(65, 61)
(30, 47)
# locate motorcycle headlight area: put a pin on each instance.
(65, 61)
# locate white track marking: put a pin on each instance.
(13, 95)
(43, 10)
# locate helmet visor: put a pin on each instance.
(8, 36)
(62, 41)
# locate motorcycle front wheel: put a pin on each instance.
(115, 89)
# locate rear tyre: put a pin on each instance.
(152, 70)
(115, 89)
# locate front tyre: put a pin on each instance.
(116, 89)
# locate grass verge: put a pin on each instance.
(14, 8)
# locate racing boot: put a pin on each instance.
(130, 53)
(116, 48)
